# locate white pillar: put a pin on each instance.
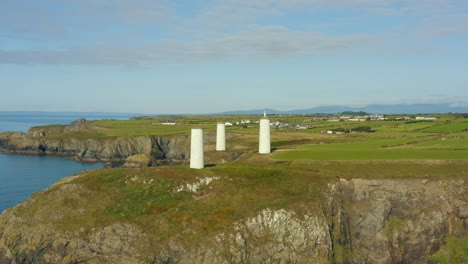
(196, 149)
(264, 142)
(220, 137)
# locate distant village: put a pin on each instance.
(351, 117)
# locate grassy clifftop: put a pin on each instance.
(211, 198)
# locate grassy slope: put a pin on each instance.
(147, 198)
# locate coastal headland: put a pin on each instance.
(333, 190)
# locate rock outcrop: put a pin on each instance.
(50, 141)
(360, 221)
(394, 221)
(111, 149)
(279, 236)
(138, 161)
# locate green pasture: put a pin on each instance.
(132, 128)
(380, 149)
(441, 139)
(447, 128)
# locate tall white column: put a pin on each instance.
(264, 142)
(196, 149)
(220, 137)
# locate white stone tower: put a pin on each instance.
(220, 137)
(196, 149)
(264, 142)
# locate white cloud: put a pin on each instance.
(122, 11)
(441, 26)
(54, 19)
(18, 19)
(221, 29)
(254, 43)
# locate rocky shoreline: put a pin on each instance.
(64, 140)
(113, 149)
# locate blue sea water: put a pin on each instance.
(23, 175)
(22, 121)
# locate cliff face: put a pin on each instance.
(394, 221)
(50, 141)
(360, 221)
(112, 149)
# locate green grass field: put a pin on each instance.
(443, 139)
(380, 149)
(447, 128)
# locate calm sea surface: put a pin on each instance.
(23, 175)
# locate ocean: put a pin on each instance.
(23, 175)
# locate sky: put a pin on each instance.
(161, 56)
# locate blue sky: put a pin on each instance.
(218, 55)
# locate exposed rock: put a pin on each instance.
(138, 161)
(394, 221)
(59, 140)
(108, 165)
(193, 187)
(45, 130)
(176, 147)
(276, 237)
(111, 244)
(111, 149)
(7, 137)
(79, 120)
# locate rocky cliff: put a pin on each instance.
(54, 140)
(108, 149)
(357, 221)
(394, 221)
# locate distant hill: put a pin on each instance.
(332, 109)
(375, 109)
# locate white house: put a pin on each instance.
(168, 123)
(426, 118)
